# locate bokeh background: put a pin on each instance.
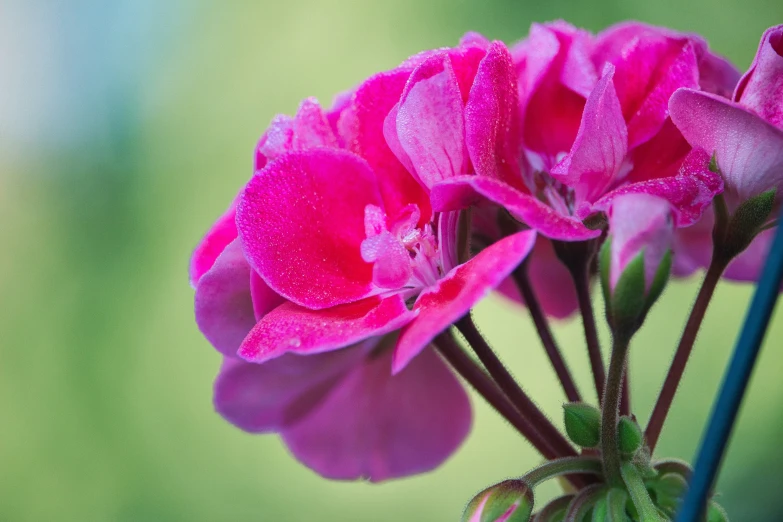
(126, 127)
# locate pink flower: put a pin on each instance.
(746, 136)
(341, 413)
(639, 224)
(589, 109)
(349, 237)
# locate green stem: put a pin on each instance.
(582, 283)
(563, 466)
(512, 389)
(610, 406)
(683, 353)
(545, 333)
(639, 495)
(480, 381)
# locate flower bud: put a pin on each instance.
(636, 258)
(629, 435)
(582, 424)
(507, 501)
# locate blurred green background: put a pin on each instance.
(126, 127)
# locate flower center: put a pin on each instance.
(405, 256)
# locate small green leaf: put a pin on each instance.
(746, 222)
(555, 510)
(715, 513)
(604, 262)
(583, 424)
(660, 280)
(600, 511)
(630, 436)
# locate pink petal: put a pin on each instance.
(749, 150)
(223, 232)
(491, 124)
(223, 305)
(692, 246)
(551, 282)
(454, 295)
(465, 191)
(276, 141)
(600, 144)
(377, 427)
(651, 63)
(717, 75)
(659, 157)
(747, 266)
(690, 192)
(301, 220)
(639, 224)
(264, 298)
(370, 106)
(261, 398)
(430, 124)
(761, 88)
(555, 78)
(311, 129)
(293, 329)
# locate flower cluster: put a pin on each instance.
(369, 229)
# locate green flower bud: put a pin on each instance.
(583, 424)
(509, 501)
(630, 437)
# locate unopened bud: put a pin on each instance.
(507, 501)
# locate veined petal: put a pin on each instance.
(749, 150)
(430, 124)
(376, 426)
(491, 116)
(600, 145)
(464, 191)
(371, 104)
(440, 306)
(290, 328)
(223, 304)
(301, 220)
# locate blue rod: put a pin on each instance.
(724, 412)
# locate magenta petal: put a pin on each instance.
(551, 281)
(464, 191)
(454, 295)
(749, 150)
(491, 118)
(223, 232)
(301, 220)
(748, 265)
(761, 88)
(292, 328)
(600, 144)
(264, 298)
(377, 427)
(224, 307)
(690, 192)
(311, 129)
(366, 115)
(430, 125)
(267, 397)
